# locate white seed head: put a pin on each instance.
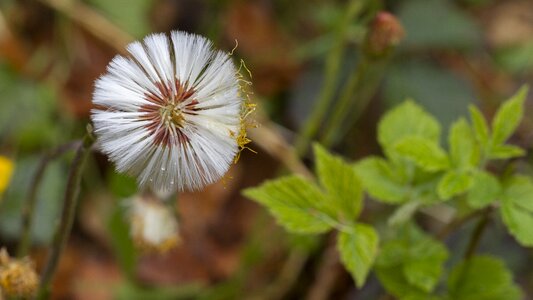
(154, 226)
(170, 114)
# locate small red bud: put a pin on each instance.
(384, 34)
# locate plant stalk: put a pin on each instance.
(29, 207)
(477, 233)
(333, 62)
(67, 217)
(355, 97)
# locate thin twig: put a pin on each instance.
(67, 217)
(29, 206)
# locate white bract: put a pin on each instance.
(170, 114)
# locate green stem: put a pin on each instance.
(355, 97)
(473, 244)
(67, 217)
(29, 207)
(453, 225)
(325, 98)
(477, 234)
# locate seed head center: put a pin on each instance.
(171, 115)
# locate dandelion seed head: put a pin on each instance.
(171, 114)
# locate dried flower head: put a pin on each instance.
(18, 278)
(154, 226)
(170, 114)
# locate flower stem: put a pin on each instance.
(67, 216)
(29, 207)
(355, 96)
(333, 63)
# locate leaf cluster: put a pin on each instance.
(334, 202)
(416, 171)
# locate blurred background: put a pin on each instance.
(452, 53)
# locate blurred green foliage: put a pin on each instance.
(29, 122)
(49, 198)
(438, 24)
(28, 112)
(130, 15)
(437, 89)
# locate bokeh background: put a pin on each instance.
(454, 53)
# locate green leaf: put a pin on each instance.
(505, 152)
(481, 129)
(517, 208)
(403, 213)
(296, 203)
(484, 190)
(518, 222)
(482, 278)
(358, 250)
(394, 281)
(508, 117)
(519, 190)
(464, 151)
(453, 183)
(407, 119)
(341, 183)
(424, 266)
(425, 153)
(380, 181)
(425, 190)
(419, 258)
